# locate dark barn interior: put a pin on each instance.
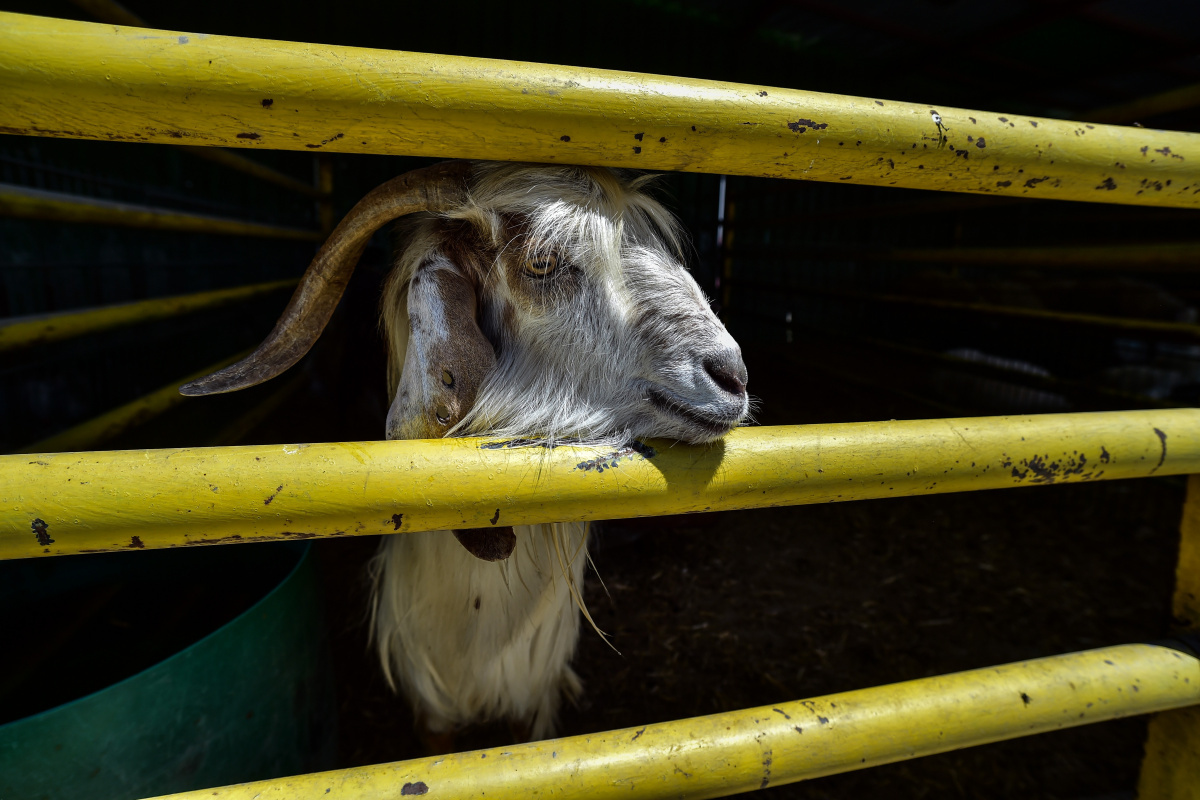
(851, 303)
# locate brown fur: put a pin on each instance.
(460, 353)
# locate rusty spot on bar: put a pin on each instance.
(801, 125)
(41, 532)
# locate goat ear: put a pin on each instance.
(448, 358)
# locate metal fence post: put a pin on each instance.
(1171, 767)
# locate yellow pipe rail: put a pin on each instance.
(25, 203)
(741, 751)
(116, 14)
(958, 203)
(1144, 108)
(240, 163)
(1089, 395)
(1158, 257)
(933, 206)
(1174, 331)
(1130, 326)
(110, 11)
(1170, 768)
(262, 410)
(85, 80)
(55, 504)
(1173, 256)
(1035, 380)
(112, 424)
(22, 332)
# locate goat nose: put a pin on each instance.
(728, 372)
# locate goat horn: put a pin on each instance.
(435, 188)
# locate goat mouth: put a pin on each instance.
(675, 407)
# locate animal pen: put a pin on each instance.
(120, 83)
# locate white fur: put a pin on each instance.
(507, 659)
(613, 348)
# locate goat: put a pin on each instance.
(541, 303)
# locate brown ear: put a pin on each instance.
(448, 358)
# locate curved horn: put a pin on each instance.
(435, 188)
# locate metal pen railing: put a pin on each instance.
(160, 86)
(164, 86)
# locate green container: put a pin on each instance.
(248, 700)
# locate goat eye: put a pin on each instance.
(541, 266)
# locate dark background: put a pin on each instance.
(733, 610)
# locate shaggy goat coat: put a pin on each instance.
(555, 301)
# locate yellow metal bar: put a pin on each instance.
(84, 80)
(1186, 605)
(1045, 382)
(938, 204)
(1157, 257)
(1181, 256)
(1176, 331)
(113, 12)
(110, 11)
(242, 425)
(19, 201)
(741, 751)
(113, 423)
(1166, 331)
(957, 203)
(166, 498)
(226, 158)
(1171, 768)
(1145, 108)
(22, 332)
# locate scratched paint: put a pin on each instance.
(97, 501)
(613, 460)
(127, 85)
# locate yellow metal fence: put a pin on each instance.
(174, 87)
(90, 502)
(752, 749)
(181, 88)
